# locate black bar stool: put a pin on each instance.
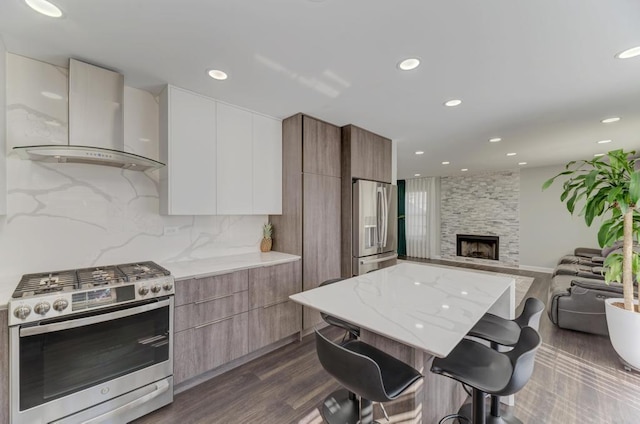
(489, 371)
(366, 371)
(503, 332)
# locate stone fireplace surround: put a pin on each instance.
(483, 203)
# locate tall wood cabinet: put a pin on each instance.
(366, 156)
(310, 222)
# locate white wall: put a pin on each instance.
(3, 131)
(547, 229)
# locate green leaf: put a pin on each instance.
(571, 202)
(548, 183)
(634, 188)
(603, 232)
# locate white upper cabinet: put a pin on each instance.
(267, 165)
(188, 147)
(235, 171)
(221, 159)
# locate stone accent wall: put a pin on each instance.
(482, 204)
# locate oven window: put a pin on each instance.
(57, 364)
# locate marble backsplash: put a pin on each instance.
(75, 215)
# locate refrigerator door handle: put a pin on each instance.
(379, 212)
(377, 260)
(385, 218)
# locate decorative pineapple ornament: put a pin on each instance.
(265, 244)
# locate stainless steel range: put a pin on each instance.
(91, 345)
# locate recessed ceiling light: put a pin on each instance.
(416, 175)
(604, 141)
(45, 7)
(464, 169)
(144, 139)
(409, 64)
(50, 95)
(629, 53)
(454, 102)
(419, 325)
(446, 163)
(610, 120)
(495, 140)
(216, 74)
(53, 123)
(522, 163)
(511, 154)
(597, 155)
(419, 152)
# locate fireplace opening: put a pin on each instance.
(481, 247)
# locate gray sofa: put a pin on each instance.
(577, 293)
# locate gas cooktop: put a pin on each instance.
(51, 294)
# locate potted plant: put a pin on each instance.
(265, 244)
(612, 187)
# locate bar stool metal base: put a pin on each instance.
(342, 407)
(466, 411)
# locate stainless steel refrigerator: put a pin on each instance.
(374, 226)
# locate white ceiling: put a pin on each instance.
(540, 74)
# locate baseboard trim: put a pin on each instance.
(536, 268)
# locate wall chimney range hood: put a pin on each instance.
(96, 129)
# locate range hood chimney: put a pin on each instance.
(96, 128)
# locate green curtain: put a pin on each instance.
(402, 236)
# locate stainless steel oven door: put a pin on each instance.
(60, 367)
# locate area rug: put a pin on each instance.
(522, 283)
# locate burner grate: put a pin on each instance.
(46, 282)
(100, 276)
(143, 271)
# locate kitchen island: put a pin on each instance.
(417, 312)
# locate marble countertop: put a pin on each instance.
(426, 307)
(186, 269)
(199, 268)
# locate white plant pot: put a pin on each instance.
(624, 326)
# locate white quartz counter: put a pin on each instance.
(427, 307)
(186, 269)
(199, 268)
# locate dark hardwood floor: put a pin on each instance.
(578, 379)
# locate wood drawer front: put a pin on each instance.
(201, 349)
(205, 311)
(223, 341)
(185, 359)
(273, 284)
(269, 324)
(189, 291)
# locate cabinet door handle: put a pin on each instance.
(275, 303)
(209, 299)
(197, 327)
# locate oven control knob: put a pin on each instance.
(21, 312)
(42, 308)
(167, 286)
(143, 290)
(156, 288)
(60, 305)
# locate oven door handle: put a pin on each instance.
(160, 388)
(82, 322)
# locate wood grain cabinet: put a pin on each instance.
(223, 318)
(210, 323)
(368, 154)
(310, 222)
(273, 316)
